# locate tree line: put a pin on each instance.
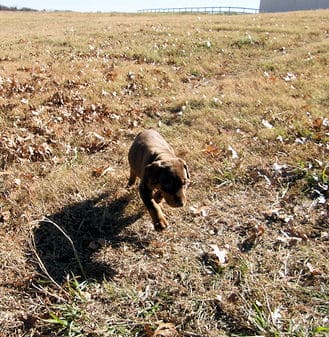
(15, 9)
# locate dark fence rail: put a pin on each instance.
(207, 10)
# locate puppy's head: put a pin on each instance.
(171, 178)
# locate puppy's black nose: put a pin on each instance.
(180, 202)
(175, 202)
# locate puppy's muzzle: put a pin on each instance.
(177, 200)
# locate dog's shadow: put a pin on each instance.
(65, 242)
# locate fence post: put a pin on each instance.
(211, 9)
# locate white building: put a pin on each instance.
(291, 5)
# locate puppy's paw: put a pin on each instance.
(131, 180)
(129, 186)
(161, 225)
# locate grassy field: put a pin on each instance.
(243, 99)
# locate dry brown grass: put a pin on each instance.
(244, 99)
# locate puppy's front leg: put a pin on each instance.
(159, 221)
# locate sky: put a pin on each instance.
(122, 5)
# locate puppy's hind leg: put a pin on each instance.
(132, 178)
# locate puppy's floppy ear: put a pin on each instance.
(187, 171)
(152, 172)
(185, 168)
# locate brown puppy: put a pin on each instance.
(161, 173)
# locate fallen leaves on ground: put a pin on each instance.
(165, 330)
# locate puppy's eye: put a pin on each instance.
(167, 184)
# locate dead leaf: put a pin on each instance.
(317, 123)
(4, 216)
(211, 150)
(165, 330)
(220, 253)
(259, 230)
(17, 182)
(101, 171)
(267, 124)
(97, 171)
(297, 233)
(233, 152)
(278, 167)
(290, 77)
(215, 260)
(203, 210)
(29, 321)
(148, 332)
(288, 241)
(313, 271)
(253, 239)
(110, 76)
(325, 122)
(233, 298)
(107, 170)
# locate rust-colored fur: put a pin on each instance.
(161, 173)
